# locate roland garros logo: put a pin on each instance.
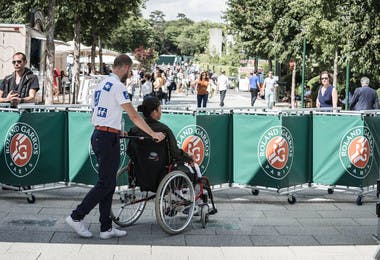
(194, 140)
(123, 154)
(22, 149)
(356, 151)
(275, 152)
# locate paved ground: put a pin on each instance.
(318, 226)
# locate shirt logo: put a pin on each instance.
(102, 112)
(125, 94)
(22, 149)
(195, 141)
(96, 97)
(275, 152)
(107, 86)
(356, 151)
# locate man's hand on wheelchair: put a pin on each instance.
(158, 136)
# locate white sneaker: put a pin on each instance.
(112, 232)
(78, 227)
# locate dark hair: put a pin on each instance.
(328, 74)
(22, 54)
(122, 60)
(149, 105)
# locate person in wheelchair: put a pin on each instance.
(177, 158)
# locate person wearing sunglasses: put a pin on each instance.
(20, 86)
(327, 94)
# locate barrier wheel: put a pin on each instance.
(204, 215)
(291, 199)
(128, 202)
(330, 190)
(174, 208)
(359, 200)
(31, 199)
(255, 192)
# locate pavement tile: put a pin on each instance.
(279, 221)
(311, 230)
(366, 221)
(282, 240)
(4, 246)
(22, 236)
(302, 213)
(306, 222)
(195, 252)
(340, 239)
(73, 238)
(155, 239)
(217, 240)
(354, 213)
(20, 256)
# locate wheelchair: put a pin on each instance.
(150, 174)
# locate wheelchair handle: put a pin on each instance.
(137, 137)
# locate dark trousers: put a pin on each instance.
(222, 96)
(202, 99)
(106, 147)
(253, 95)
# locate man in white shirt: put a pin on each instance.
(268, 87)
(110, 99)
(222, 87)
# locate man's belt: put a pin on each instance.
(107, 129)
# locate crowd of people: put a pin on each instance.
(22, 85)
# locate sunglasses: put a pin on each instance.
(324, 78)
(16, 61)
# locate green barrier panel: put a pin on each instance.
(34, 148)
(83, 166)
(270, 150)
(344, 150)
(215, 132)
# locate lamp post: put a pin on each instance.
(303, 71)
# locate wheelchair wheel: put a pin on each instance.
(128, 202)
(174, 194)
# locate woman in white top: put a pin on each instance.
(147, 87)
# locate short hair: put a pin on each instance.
(22, 54)
(364, 81)
(148, 106)
(121, 61)
(147, 76)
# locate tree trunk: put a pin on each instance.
(76, 68)
(50, 55)
(100, 54)
(293, 90)
(335, 75)
(270, 63)
(93, 52)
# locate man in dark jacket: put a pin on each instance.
(364, 98)
(22, 85)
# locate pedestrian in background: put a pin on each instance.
(110, 99)
(202, 93)
(147, 87)
(222, 84)
(268, 87)
(254, 86)
(327, 94)
(364, 98)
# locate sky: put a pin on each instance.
(196, 10)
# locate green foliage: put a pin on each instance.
(276, 29)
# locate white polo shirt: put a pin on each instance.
(222, 82)
(109, 95)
